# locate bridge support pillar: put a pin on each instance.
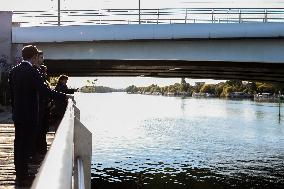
(5, 53)
(10, 54)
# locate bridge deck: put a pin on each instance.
(7, 169)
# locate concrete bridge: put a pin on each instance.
(248, 51)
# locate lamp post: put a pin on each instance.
(139, 14)
(279, 112)
(58, 11)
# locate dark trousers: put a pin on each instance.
(58, 113)
(24, 147)
(41, 142)
(43, 128)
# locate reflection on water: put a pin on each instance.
(142, 141)
(187, 178)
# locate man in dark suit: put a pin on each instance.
(43, 124)
(26, 84)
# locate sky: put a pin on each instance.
(122, 82)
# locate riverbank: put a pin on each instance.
(232, 97)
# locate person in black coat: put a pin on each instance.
(26, 83)
(61, 85)
(44, 115)
(43, 124)
(60, 106)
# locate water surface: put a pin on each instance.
(143, 141)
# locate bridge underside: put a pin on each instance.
(217, 51)
(245, 59)
(267, 72)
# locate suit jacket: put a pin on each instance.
(26, 85)
(44, 108)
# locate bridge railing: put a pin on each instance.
(69, 153)
(149, 16)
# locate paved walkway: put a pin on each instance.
(7, 169)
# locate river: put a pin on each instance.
(144, 141)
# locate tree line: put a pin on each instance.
(222, 89)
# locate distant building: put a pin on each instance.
(198, 95)
(266, 97)
(239, 95)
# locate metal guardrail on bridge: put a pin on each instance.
(70, 151)
(148, 16)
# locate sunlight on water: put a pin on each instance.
(178, 141)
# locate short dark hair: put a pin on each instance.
(62, 77)
(29, 51)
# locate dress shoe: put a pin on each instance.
(23, 184)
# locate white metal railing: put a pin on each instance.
(81, 181)
(56, 171)
(82, 153)
(149, 16)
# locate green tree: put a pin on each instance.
(234, 83)
(208, 88)
(250, 88)
(132, 89)
(184, 86)
(219, 88)
(266, 88)
(155, 88)
(226, 91)
(197, 87)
